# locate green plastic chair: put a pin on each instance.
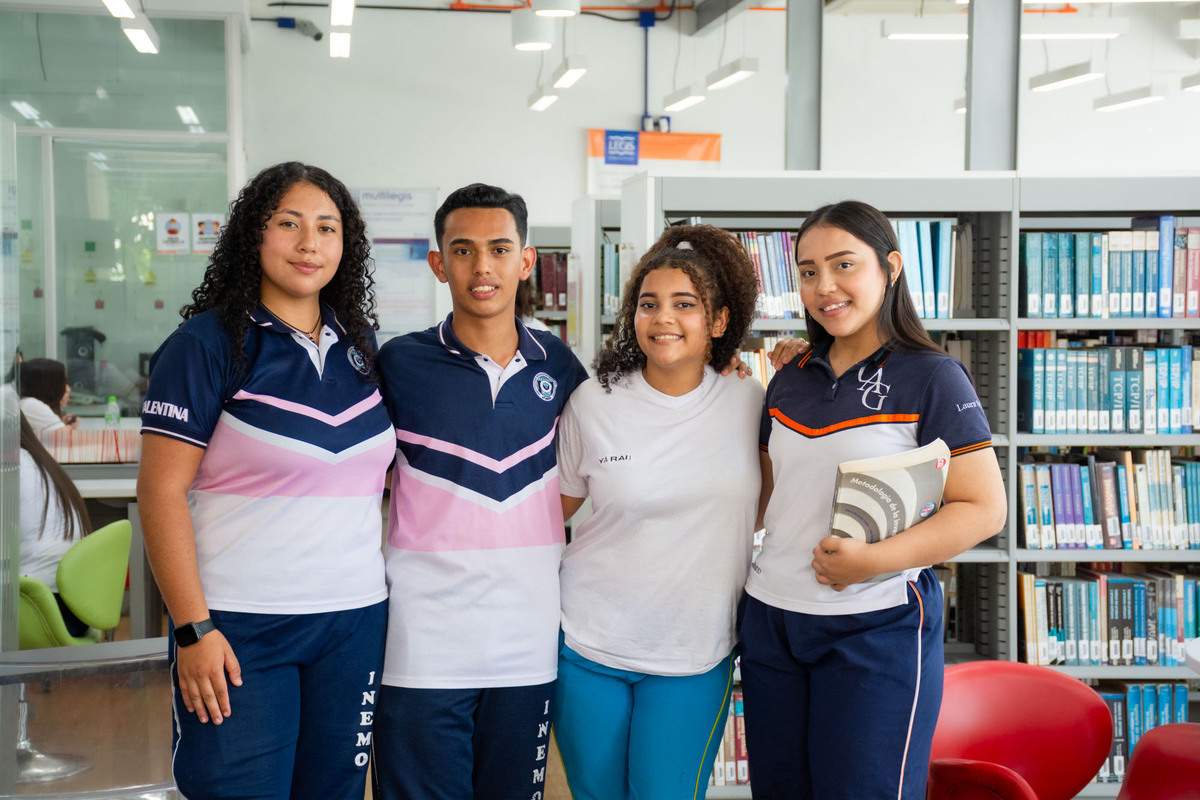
(91, 581)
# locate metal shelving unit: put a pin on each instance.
(998, 205)
(591, 219)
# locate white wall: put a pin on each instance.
(439, 99)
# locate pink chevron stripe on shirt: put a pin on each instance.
(237, 464)
(334, 420)
(475, 457)
(430, 519)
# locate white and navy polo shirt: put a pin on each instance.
(285, 504)
(475, 529)
(892, 401)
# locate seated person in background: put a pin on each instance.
(44, 394)
(52, 517)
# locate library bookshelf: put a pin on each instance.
(998, 206)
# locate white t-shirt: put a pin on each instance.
(41, 551)
(40, 416)
(651, 581)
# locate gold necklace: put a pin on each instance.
(311, 333)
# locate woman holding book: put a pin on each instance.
(664, 447)
(265, 447)
(841, 639)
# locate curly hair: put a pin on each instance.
(722, 273)
(233, 277)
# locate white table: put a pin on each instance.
(107, 488)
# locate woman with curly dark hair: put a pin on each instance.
(665, 448)
(260, 483)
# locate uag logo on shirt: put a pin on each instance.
(544, 386)
(165, 410)
(874, 390)
(357, 361)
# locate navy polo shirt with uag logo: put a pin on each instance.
(891, 401)
(475, 527)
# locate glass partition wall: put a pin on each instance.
(116, 170)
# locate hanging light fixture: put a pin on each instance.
(341, 13)
(960, 105)
(531, 32)
(556, 8)
(686, 97)
(1191, 83)
(569, 72)
(140, 33)
(1143, 95)
(339, 44)
(541, 99)
(733, 72)
(1063, 77)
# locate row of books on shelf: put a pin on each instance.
(1152, 270)
(732, 766)
(610, 277)
(549, 281)
(93, 446)
(1137, 709)
(1115, 500)
(936, 256)
(1108, 390)
(773, 254)
(755, 354)
(1099, 617)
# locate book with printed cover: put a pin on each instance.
(875, 498)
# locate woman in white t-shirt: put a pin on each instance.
(665, 448)
(53, 517)
(44, 394)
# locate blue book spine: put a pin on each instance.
(1072, 390)
(928, 282)
(944, 250)
(1049, 275)
(1175, 376)
(1185, 389)
(1116, 388)
(1061, 398)
(1163, 396)
(1066, 275)
(1099, 296)
(1138, 273)
(1134, 397)
(1180, 703)
(1031, 260)
(1139, 622)
(1097, 652)
(1165, 701)
(1050, 391)
(1189, 608)
(1089, 514)
(1151, 281)
(1070, 633)
(910, 254)
(1075, 488)
(1133, 710)
(1113, 271)
(1039, 390)
(1149, 707)
(1083, 399)
(1062, 520)
(1083, 275)
(1103, 359)
(1127, 283)
(1123, 505)
(1166, 264)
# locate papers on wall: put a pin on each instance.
(399, 226)
(172, 232)
(206, 229)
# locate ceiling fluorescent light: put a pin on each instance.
(141, 34)
(542, 99)
(686, 97)
(41, 123)
(556, 8)
(341, 13)
(732, 73)
(1041, 27)
(187, 115)
(195, 129)
(960, 105)
(927, 29)
(1066, 76)
(119, 9)
(339, 44)
(1189, 29)
(1191, 83)
(569, 72)
(1122, 100)
(531, 32)
(25, 109)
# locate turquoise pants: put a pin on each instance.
(630, 736)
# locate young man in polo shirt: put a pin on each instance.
(475, 528)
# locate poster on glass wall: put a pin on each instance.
(399, 225)
(206, 229)
(173, 232)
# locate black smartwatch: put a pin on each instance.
(189, 634)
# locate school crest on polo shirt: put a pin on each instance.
(357, 360)
(544, 386)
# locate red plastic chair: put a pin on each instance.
(1012, 731)
(1165, 765)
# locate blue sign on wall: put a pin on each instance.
(621, 147)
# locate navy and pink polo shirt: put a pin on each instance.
(891, 401)
(286, 501)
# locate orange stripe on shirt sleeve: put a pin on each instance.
(857, 422)
(970, 448)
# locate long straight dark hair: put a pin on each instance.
(899, 326)
(74, 510)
